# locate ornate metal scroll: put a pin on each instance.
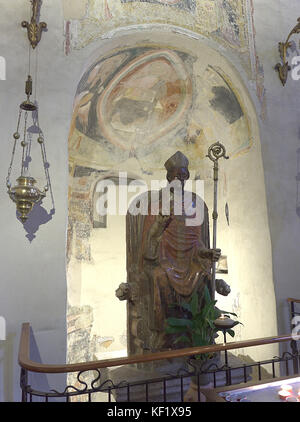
(283, 68)
(35, 28)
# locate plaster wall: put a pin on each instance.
(33, 281)
(280, 143)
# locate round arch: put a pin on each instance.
(144, 94)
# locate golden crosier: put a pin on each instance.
(25, 195)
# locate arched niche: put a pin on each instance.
(144, 94)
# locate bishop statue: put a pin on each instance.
(168, 259)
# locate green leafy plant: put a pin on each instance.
(196, 327)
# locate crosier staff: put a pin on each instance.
(215, 152)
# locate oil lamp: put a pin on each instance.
(25, 194)
(224, 322)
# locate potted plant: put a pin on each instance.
(196, 327)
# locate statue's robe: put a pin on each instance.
(169, 273)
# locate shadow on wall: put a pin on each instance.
(38, 381)
(8, 369)
(36, 218)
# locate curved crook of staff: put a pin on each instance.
(215, 152)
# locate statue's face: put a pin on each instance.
(181, 174)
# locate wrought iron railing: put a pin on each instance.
(294, 312)
(93, 385)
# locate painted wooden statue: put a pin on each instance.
(167, 260)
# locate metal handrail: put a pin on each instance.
(26, 363)
(291, 299)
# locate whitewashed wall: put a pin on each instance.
(280, 140)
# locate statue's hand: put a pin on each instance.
(212, 254)
(222, 287)
(159, 225)
(123, 292)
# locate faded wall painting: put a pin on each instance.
(227, 22)
(137, 100)
(189, 5)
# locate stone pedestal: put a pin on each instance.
(141, 380)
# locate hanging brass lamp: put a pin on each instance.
(25, 194)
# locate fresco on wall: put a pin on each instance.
(231, 25)
(140, 100)
(181, 4)
(228, 22)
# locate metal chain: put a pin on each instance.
(28, 150)
(36, 72)
(24, 145)
(29, 59)
(16, 137)
(41, 141)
